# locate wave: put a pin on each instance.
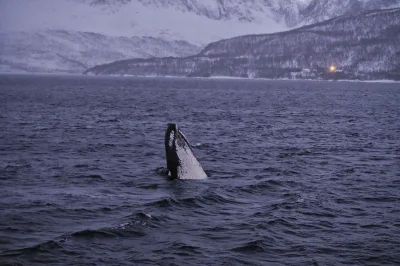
(251, 247)
(266, 185)
(202, 200)
(44, 247)
(90, 176)
(60, 244)
(94, 233)
(107, 233)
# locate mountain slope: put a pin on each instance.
(365, 45)
(197, 22)
(320, 10)
(74, 52)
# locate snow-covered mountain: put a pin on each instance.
(64, 51)
(364, 46)
(30, 28)
(196, 21)
(313, 11)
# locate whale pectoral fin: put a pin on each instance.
(181, 161)
(189, 166)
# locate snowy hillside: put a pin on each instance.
(69, 35)
(196, 21)
(73, 52)
(169, 19)
(320, 10)
(362, 46)
(73, 35)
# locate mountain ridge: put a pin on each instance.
(63, 51)
(197, 22)
(363, 46)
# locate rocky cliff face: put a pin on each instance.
(361, 46)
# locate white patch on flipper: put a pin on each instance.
(189, 167)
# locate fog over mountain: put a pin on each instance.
(69, 35)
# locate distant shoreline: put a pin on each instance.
(205, 78)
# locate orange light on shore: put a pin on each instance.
(332, 68)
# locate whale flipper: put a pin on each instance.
(181, 162)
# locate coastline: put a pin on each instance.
(386, 81)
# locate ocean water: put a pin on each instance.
(301, 173)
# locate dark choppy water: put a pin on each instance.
(302, 173)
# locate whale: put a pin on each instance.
(181, 162)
